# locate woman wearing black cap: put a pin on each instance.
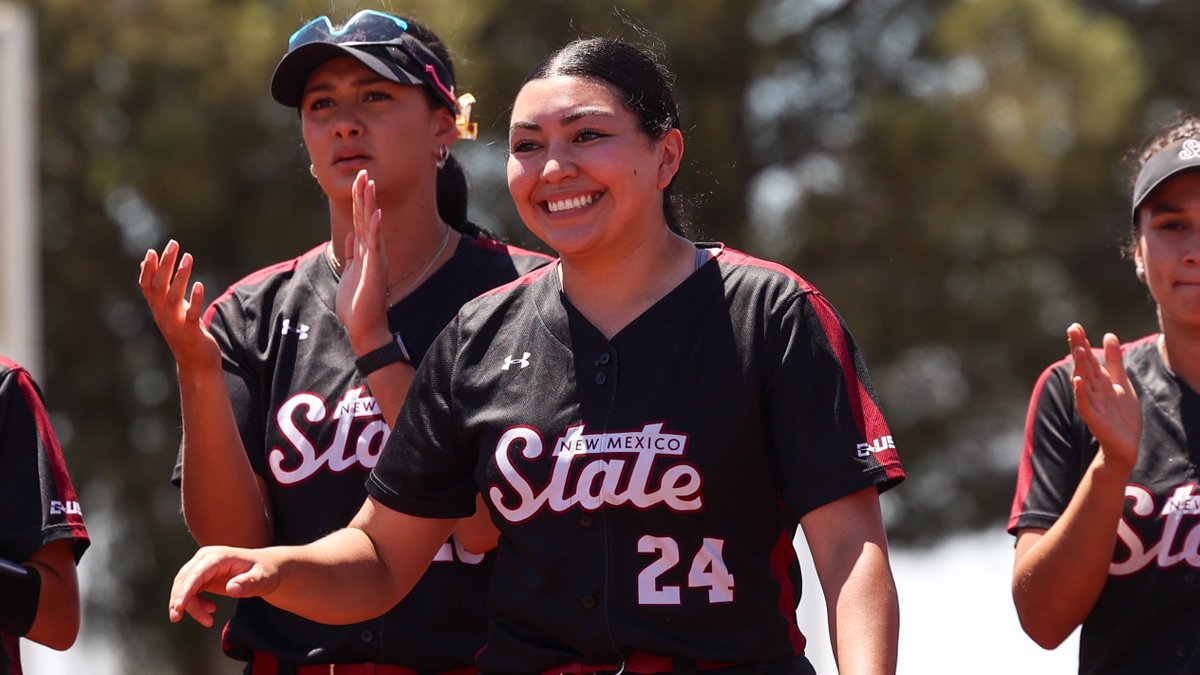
(1106, 508)
(290, 380)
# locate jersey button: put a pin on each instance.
(588, 602)
(604, 359)
(601, 378)
(585, 520)
(366, 635)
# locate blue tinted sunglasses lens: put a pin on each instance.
(366, 26)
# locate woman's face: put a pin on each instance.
(354, 119)
(585, 178)
(1168, 248)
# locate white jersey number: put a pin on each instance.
(708, 571)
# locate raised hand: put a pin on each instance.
(176, 311)
(362, 289)
(233, 572)
(1105, 398)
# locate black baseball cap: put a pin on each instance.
(1177, 158)
(380, 41)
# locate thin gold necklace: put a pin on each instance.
(337, 264)
(427, 263)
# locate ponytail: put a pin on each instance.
(452, 199)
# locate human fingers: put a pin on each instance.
(195, 302)
(166, 268)
(184, 599)
(1114, 362)
(358, 211)
(370, 198)
(147, 269)
(179, 284)
(1085, 364)
(258, 580)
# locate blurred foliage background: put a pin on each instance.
(951, 173)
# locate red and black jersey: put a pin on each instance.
(1145, 618)
(38, 504)
(313, 431)
(647, 487)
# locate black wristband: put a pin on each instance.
(20, 586)
(392, 352)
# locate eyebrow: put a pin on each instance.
(1161, 207)
(360, 82)
(565, 120)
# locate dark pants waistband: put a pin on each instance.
(262, 663)
(646, 664)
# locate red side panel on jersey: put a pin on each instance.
(783, 557)
(525, 280)
(1025, 468)
(867, 415)
(53, 454)
(489, 244)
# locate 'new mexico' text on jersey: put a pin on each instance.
(313, 431)
(647, 487)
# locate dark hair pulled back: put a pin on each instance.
(642, 81)
(452, 190)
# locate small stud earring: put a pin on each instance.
(1141, 273)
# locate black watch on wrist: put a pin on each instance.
(392, 352)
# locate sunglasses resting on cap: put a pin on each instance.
(380, 42)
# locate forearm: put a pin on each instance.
(1059, 575)
(338, 579)
(849, 549)
(56, 623)
(864, 615)
(222, 501)
(477, 534)
(347, 577)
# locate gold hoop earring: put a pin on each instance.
(443, 154)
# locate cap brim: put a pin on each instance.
(1181, 157)
(291, 75)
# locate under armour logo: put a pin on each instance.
(1190, 149)
(523, 361)
(300, 329)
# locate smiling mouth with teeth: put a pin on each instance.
(572, 203)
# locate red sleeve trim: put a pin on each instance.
(48, 443)
(258, 277)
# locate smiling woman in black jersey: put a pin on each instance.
(648, 421)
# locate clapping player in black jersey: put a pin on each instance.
(291, 379)
(1106, 512)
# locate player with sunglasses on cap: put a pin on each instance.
(291, 379)
(1106, 507)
